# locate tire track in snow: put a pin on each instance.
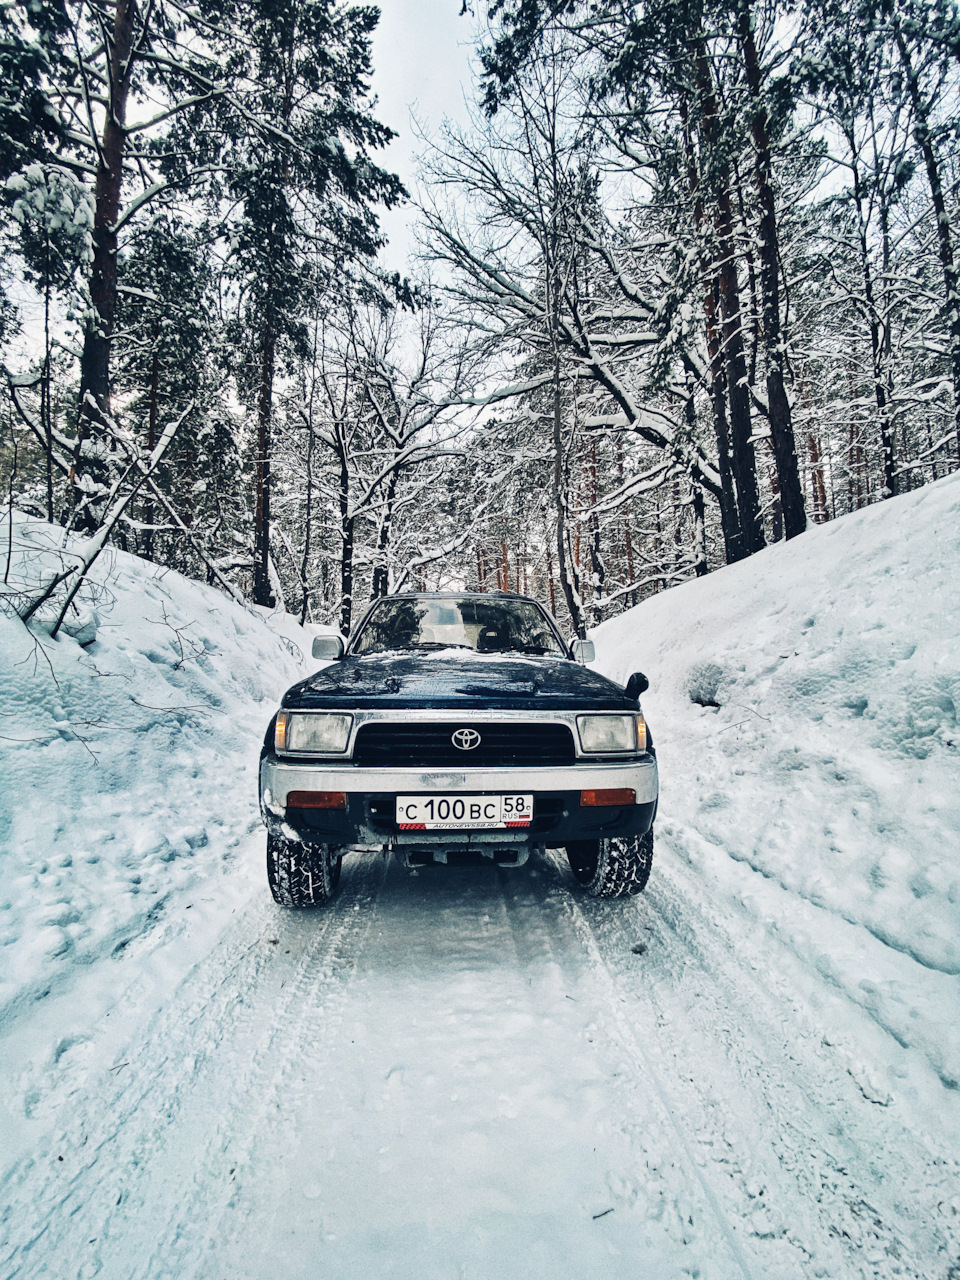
(83, 1167)
(675, 1180)
(505, 1058)
(301, 1007)
(481, 982)
(688, 1167)
(790, 1137)
(122, 1164)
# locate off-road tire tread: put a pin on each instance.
(302, 875)
(623, 866)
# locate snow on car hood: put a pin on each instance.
(458, 678)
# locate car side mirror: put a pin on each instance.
(583, 651)
(327, 648)
(637, 684)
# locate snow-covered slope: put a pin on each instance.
(804, 704)
(128, 765)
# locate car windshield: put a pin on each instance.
(486, 626)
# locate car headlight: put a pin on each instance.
(607, 733)
(319, 734)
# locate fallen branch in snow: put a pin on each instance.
(169, 711)
(199, 650)
(752, 711)
(38, 649)
(47, 593)
(738, 725)
(119, 501)
(194, 541)
(741, 707)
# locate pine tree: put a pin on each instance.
(304, 187)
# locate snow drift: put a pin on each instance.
(804, 703)
(128, 752)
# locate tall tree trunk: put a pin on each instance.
(628, 548)
(817, 480)
(346, 578)
(677, 505)
(347, 538)
(46, 408)
(625, 523)
(951, 278)
(781, 424)
(884, 378)
(149, 510)
(307, 520)
(262, 594)
(598, 570)
(776, 506)
(744, 465)
(700, 566)
(699, 522)
(569, 578)
(744, 462)
(729, 516)
(733, 543)
(95, 359)
(381, 576)
(877, 340)
(753, 326)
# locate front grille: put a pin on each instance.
(430, 746)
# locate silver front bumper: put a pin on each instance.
(279, 777)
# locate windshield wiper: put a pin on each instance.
(523, 689)
(437, 644)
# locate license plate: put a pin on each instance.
(451, 811)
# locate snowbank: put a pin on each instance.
(804, 704)
(128, 762)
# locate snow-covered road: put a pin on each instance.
(472, 1072)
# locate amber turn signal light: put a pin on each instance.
(316, 800)
(612, 795)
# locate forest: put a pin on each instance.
(687, 284)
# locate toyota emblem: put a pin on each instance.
(465, 739)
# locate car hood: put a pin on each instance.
(458, 678)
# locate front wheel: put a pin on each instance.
(615, 867)
(302, 875)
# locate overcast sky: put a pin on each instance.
(421, 52)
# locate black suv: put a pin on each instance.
(457, 726)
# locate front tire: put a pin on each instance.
(615, 867)
(302, 875)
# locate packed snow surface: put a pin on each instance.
(474, 1073)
